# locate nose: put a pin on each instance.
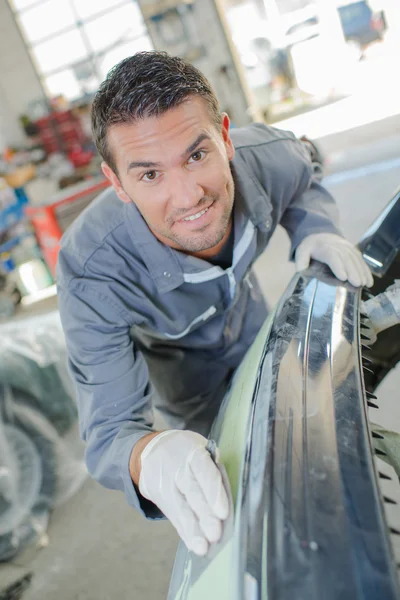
(185, 192)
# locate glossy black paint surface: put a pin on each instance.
(309, 518)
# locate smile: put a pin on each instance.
(196, 216)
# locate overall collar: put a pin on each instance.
(161, 260)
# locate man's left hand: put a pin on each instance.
(345, 261)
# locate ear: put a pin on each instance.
(230, 150)
(115, 182)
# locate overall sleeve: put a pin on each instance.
(304, 206)
(112, 386)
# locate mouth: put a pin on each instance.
(197, 219)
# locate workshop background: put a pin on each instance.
(327, 69)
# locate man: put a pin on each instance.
(156, 293)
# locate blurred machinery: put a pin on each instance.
(197, 30)
(52, 218)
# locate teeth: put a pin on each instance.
(196, 216)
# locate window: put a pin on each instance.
(120, 26)
(89, 8)
(74, 43)
(21, 4)
(120, 52)
(46, 19)
(59, 51)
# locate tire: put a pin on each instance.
(34, 457)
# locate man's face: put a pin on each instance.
(175, 168)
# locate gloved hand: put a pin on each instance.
(179, 476)
(341, 256)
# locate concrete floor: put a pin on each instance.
(99, 548)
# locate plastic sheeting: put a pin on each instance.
(37, 469)
(33, 359)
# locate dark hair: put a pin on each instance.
(144, 85)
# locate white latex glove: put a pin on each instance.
(179, 476)
(344, 260)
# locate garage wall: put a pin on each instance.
(204, 40)
(19, 83)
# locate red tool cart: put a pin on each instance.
(52, 219)
(62, 131)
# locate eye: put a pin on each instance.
(150, 176)
(197, 156)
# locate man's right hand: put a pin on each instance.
(179, 476)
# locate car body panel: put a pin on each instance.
(308, 519)
(231, 430)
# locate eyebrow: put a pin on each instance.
(152, 165)
(201, 138)
(142, 165)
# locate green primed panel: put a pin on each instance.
(216, 581)
(234, 431)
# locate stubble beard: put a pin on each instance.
(198, 241)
